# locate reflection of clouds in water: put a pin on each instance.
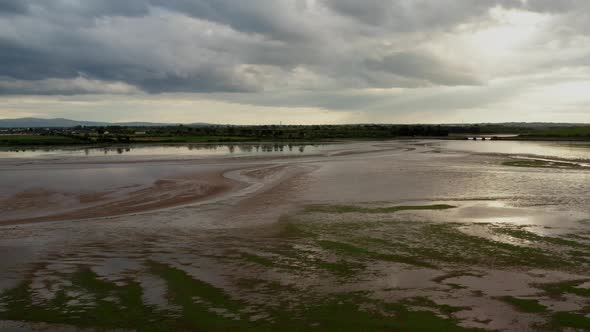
(569, 150)
(502, 213)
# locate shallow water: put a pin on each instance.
(562, 150)
(230, 238)
(176, 150)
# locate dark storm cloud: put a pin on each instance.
(276, 19)
(206, 80)
(418, 14)
(24, 63)
(202, 45)
(94, 8)
(8, 7)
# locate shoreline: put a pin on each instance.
(489, 137)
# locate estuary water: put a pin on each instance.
(560, 150)
(223, 215)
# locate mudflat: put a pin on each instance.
(395, 235)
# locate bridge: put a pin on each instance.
(473, 137)
(479, 138)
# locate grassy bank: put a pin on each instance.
(55, 140)
(38, 140)
(567, 132)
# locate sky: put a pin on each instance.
(296, 61)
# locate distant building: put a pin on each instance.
(140, 133)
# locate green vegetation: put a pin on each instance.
(351, 241)
(455, 274)
(525, 305)
(257, 260)
(88, 302)
(425, 302)
(195, 305)
(357, 209)
(569, 319)
(563, 132)
(569, 287)
(190, 139)
(30, 140)
(520, 232)
(56, 139)
(343, 251)
(225, 133)
(426, 244)
(288, 133)
(540, 164)
(201, 305)
(342, 313)
(475, 250)
(351, 250)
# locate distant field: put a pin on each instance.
(562, 132)
(190, 139)
(10, 140)
(25, 140)
(247, 134)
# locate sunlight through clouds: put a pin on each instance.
(339, 60)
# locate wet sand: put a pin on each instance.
(162, 193)
(317, 230)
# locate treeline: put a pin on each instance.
(374, 131)
(232, 133)
(280, 132)
(569, 132)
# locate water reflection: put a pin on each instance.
(188, 149)
(563, 150)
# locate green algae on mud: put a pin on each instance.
(350, 243)
(351, 250)
(329, 247)
(570, 320)
(358, 209)
(542, 164)
(556, 320)
(99, 305)
(201, 306)
(525, 305)
(566, 287)
(520, 232)
(429, 244)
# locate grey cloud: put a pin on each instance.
(8, 7)
(205, 80)
(440, 99)
(552, 6)
(424, 67)
(94, 8)
(404, 15)
(26, 62)
(276, 19)
(55, 86)
(200, 45)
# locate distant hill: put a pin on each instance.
(64, 123)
